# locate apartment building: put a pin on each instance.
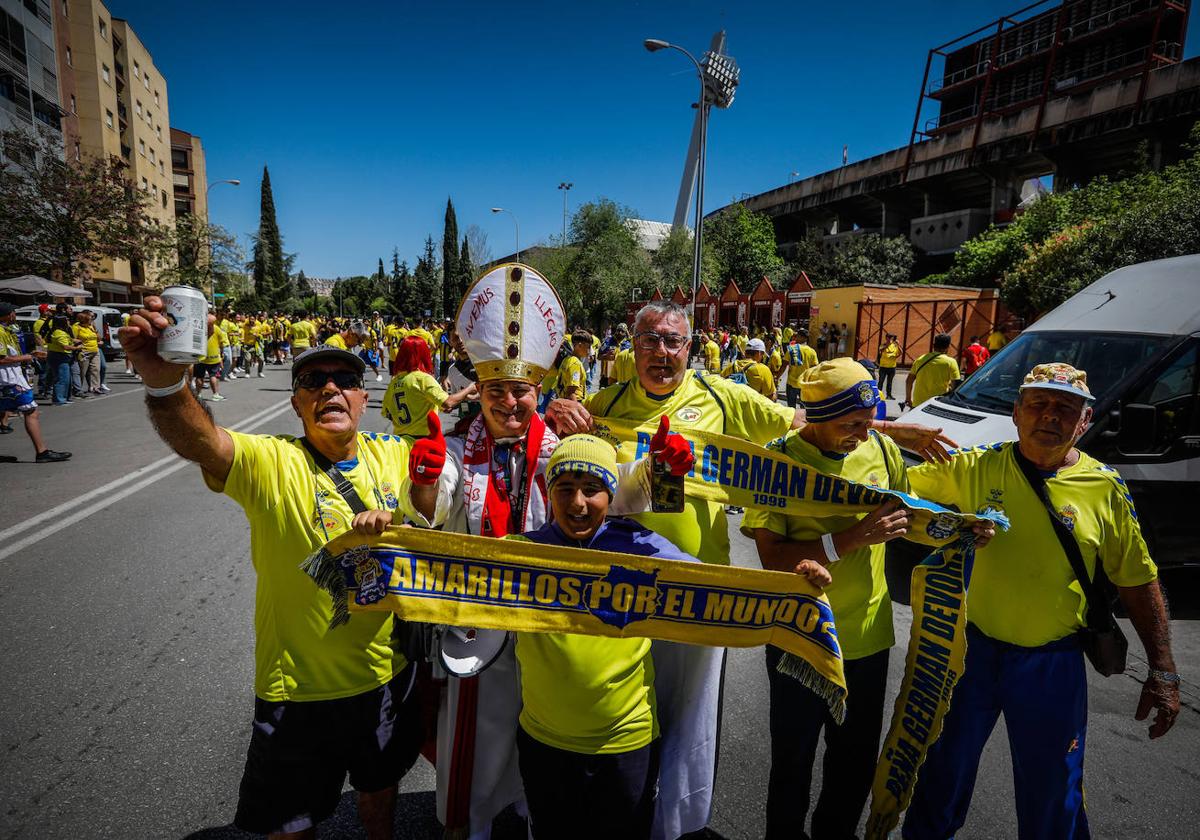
(189, 178)
(28, 69)
(117, 106)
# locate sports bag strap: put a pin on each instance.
(1099, 616)
(720, 403)
(340, 482)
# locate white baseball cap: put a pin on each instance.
(755, 345)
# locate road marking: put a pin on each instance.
(152, 472)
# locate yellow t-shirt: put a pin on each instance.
(336, 340)
(800, 358)
(60, 342)
(409, 398)
(996, 341)
(232, 332)
(624, 366)
(212, 354)
(87, 337)
(425, 334)
(37, 331)
(712, 356)
(700, 530)
(934, 373)
(294, 509)
(1023, 590)
(758, 376)
(740, 341)
(250, 334)
(302, 333)
(889, 355)
(787, 334)
(587, 694)
(572, 374)
(858, 595)
(775, 363)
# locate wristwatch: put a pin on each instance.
(1163, 676)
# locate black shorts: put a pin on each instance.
(300, 753)
(203, 371)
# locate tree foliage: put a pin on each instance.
(451, 276)
(740, 245)
(596, 276)
(426, 286)
(270, 271)
(673, 260)
(197, 253)
(63, 217)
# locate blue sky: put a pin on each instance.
(370, 114)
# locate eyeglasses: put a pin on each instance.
(311, 380)
(673, 342)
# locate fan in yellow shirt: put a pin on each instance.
(712, 355)
(572, 377)
(751, 370)
(413, 392)
(933, 374)
(301, 333)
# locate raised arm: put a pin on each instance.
(180, 419)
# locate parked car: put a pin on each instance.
(1136, 331)
(108, 321)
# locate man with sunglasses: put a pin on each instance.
(327, 704)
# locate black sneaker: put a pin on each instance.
(46, 456)
(5, 430)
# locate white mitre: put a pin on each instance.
(511, 322)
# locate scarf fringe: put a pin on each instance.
(809, 677)
(325, 571)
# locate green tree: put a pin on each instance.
(269, 270)
(450, 273)
(197, 253)
(466, 273)
(426, 291)
(63, 217)
(603, 266)
(741, 245)
(673, 260)
(870, 258)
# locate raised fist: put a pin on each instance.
(428, 454)
(671, 449)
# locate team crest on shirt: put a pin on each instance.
(1067, 514)
(688, 414)
(873, 480)
(389, 495)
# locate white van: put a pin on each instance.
(108, 321)
(1136, 331)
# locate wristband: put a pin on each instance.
(1164, 676)
(830, 549)
(169, 390)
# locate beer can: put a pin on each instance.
(666, 490)
(185, 340)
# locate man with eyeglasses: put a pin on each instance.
(327, 704)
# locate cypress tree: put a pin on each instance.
(450, 273)
(466, 269)
(271, 282)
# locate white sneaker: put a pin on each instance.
(216, 398)
(104, 389)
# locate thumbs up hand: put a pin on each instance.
(670, 448)
(428, 454)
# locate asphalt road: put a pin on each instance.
(126, 673)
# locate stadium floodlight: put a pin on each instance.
(720, 78)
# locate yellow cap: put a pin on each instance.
(586, 454)
(837, 387)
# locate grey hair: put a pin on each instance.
(661, 309)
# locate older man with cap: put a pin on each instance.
(327, 704)
(752, 371)
(839, 397)
(1027, 606)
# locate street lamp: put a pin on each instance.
(718, 77)
(565, 186)
(516, 225)
(212, 280)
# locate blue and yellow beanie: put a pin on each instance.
(837, 387)
(586, 454)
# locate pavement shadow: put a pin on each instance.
(416, 819)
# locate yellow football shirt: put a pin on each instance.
(996, 341)
(60, 341)
(572, 374)
(302, 334)
(800, 358)
(336, 340)
(409, 399)
(858, 595)
(934, 373)
(1023, 590)
(212, 355)
(889, 355)
(700, 530)
(294, 509)
(87, 337)
(587, 694)
(232, 332)
(712, 356)
(624, 366)
(758, 376)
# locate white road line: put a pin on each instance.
(153, 472)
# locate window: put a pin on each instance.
(155, 97)
(104, 73)
(108, 120)
(153, 159)
(158, 131)
(137, 70)
(103, 28)
(164, 199)
(145, 184)
(161, 170)
(1173, 395)
(74, 109)
(142, 149)
(69, 62)
(138, 107)
(77, 155)
(146, 81)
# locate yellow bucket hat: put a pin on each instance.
(586, 454)
(837, 387)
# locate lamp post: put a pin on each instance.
(718, 77)
(565, 186)
(212, 280)
(516, 226)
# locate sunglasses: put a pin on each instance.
(311, 380)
